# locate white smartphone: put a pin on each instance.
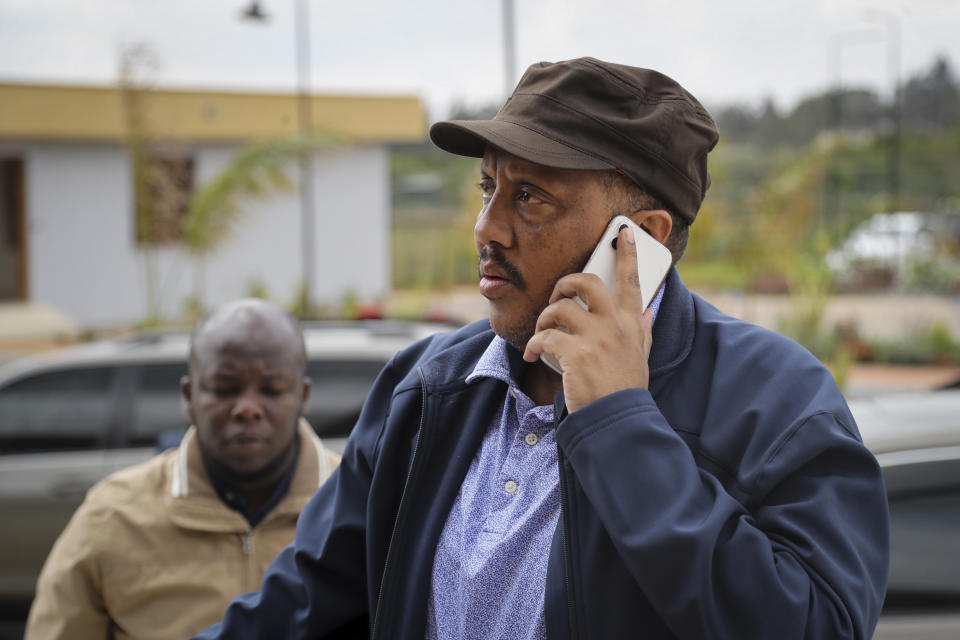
(653, 263)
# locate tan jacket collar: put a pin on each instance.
(193, 503)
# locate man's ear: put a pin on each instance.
(656, 222)
(187, 391)
(305, 394)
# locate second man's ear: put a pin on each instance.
(305, 394)
(187, 392)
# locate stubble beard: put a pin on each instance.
(518, 333)
(247, 477)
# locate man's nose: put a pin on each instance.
(247, 408)
(493, 223)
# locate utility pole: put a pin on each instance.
(305, 122)
(509, 49)
(892, 24)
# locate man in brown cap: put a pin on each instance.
(683, 475)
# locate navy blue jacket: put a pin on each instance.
(734, 499)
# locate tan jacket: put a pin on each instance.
(154, 553)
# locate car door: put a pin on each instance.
(923, 590)
(55, 428)
(157, 419)
(339, 387)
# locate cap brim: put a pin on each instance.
(471, 138)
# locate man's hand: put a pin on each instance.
(605, 347)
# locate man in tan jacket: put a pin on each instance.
(158, 550)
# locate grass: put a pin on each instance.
(432, 256)
(714, 274)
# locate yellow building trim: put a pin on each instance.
(92, 114)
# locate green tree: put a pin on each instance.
(256, 170)
(932, 100)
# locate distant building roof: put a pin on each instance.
(97, 114)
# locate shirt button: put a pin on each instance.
(511, 486)
(531, 439)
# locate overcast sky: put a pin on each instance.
(452, 50)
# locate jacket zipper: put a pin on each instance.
(403, 500)
(247, 540)
(558, 415)
(246, 546)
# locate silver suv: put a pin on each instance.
(916, 438)
(70, 417)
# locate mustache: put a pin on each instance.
(496, 256)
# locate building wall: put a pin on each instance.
(83, 258)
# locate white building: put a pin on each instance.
(68, 222)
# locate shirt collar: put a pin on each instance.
(657, 299)
(234, 499)
(496, 363)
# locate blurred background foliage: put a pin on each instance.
(788, 188)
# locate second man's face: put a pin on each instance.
(246, 397)
(537, 225)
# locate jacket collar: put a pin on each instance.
(457, 356)
(673, 331)
(193, 503)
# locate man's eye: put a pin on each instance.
(224, 390)
(525, 196)
(486, 186)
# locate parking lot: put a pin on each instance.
(914, 431)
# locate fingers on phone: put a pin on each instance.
(627, 276)
(565, 313)
(647, 327)
(586, 286)
(551, 341)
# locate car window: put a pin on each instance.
(925, 551)
(336, 396)
(158, 417)
(338, 391)
(59, 410)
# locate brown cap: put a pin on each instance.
(590, 114)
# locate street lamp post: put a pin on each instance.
(835, 61)
(304, 126)
(892, 25)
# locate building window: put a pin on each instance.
(13, 263)
(164, 186)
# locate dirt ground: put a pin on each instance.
(874, 378)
